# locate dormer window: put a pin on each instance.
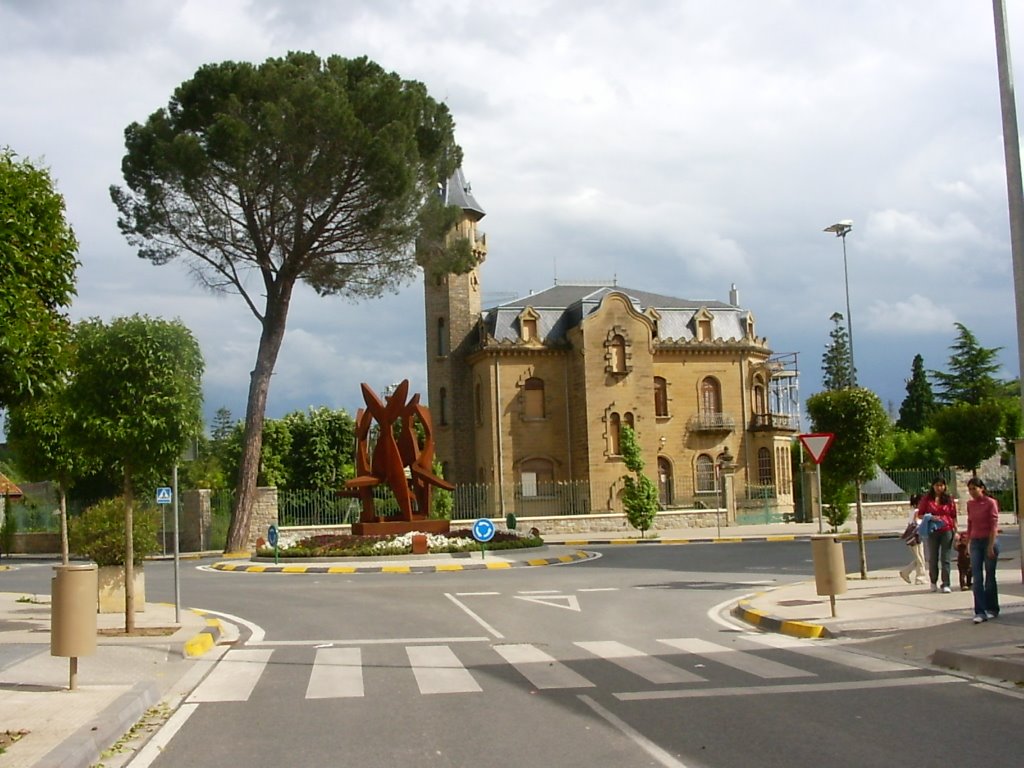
(702, 329)
(528, 326)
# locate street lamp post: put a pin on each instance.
(724, 464)
(842, 229)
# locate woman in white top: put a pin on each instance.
(916, 565)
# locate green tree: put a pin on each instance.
(298, 169)
(835, 362)
(919, 404)
(639, 495)
(860, 424)
(223, 425)
(137, 399)
(38, 430)
(914, 450)
(37, 278)
(972, 368)
(322, 449)
(968, 433)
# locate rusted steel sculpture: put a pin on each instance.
(398, 462)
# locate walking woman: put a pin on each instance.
(940, 528)
(982, 527)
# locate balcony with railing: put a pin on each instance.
(773, 422)
(711, 422)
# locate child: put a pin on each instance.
(913, 540)
(963, 561)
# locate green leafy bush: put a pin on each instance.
(99, 534)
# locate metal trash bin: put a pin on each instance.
(73, 610)
(829, 565)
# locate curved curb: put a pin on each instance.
(205, 640)
(722, 539)
(348, 570)
(805, 629)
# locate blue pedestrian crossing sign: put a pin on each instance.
(163, 495)
(483, 530)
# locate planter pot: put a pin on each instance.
(419, 544)
(111, 589)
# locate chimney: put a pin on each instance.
(734, 296)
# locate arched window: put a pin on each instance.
(442, 338)
(760, 404)
(665, 491)
(629, 420)
(536, 477)
(660, 396)
(764, 467)
(443, 416)
(533, 398)
(705, 471)
(618, 353)
(614, 427)
(710, 396)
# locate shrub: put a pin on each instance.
(99, 534)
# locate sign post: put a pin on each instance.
(483, 531)
(817, 444)
(272, 538)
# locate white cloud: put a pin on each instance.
(681, 149)
(908, 317)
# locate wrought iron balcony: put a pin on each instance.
(773, 422)
(711, 422)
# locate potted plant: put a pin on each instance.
(98, 534)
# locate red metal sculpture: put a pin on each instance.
(399, 462)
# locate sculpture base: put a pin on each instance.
(398, 527)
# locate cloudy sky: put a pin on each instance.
(678, 147)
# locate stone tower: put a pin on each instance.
(452, 309)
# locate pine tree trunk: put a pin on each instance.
(255, 414)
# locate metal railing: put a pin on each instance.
(711, 422)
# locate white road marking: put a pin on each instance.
(648, 746)
(543, 671)
(159, 741)
(830, 653)
(476, 594)
(746, 662)
(650, 668)
(337, 674)
(714, 613)
(856, 685)
(572, 603)
(256, 632)
(598, 589)
(538, 591)
(234, 678)
(437, 670)
(473, 616)
(373, 641)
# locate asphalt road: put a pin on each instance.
(620, 661)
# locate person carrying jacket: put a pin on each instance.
(942, 508)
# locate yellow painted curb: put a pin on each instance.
(395, 569)
(341, 569)
(498, 566)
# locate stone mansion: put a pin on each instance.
(529, 396)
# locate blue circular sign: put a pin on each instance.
(272, 535)
(483, 530)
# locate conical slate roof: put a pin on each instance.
(458, 192)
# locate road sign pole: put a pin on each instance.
(821, 506)
(177, 571)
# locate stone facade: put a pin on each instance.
(536, 391)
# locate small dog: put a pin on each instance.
(963, 561)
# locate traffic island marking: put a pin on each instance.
(205, 640)
(805, 629)
(323, 568)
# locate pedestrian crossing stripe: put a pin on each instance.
(339, 672)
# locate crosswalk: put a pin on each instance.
(342, 672)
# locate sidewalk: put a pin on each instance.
(115, 686)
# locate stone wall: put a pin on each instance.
(195, 521)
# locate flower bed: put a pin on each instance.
(346, 545)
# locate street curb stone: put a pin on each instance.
(805, 629)
(347, 570)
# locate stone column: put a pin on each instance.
(729, 485)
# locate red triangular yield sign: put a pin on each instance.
(817, 444)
